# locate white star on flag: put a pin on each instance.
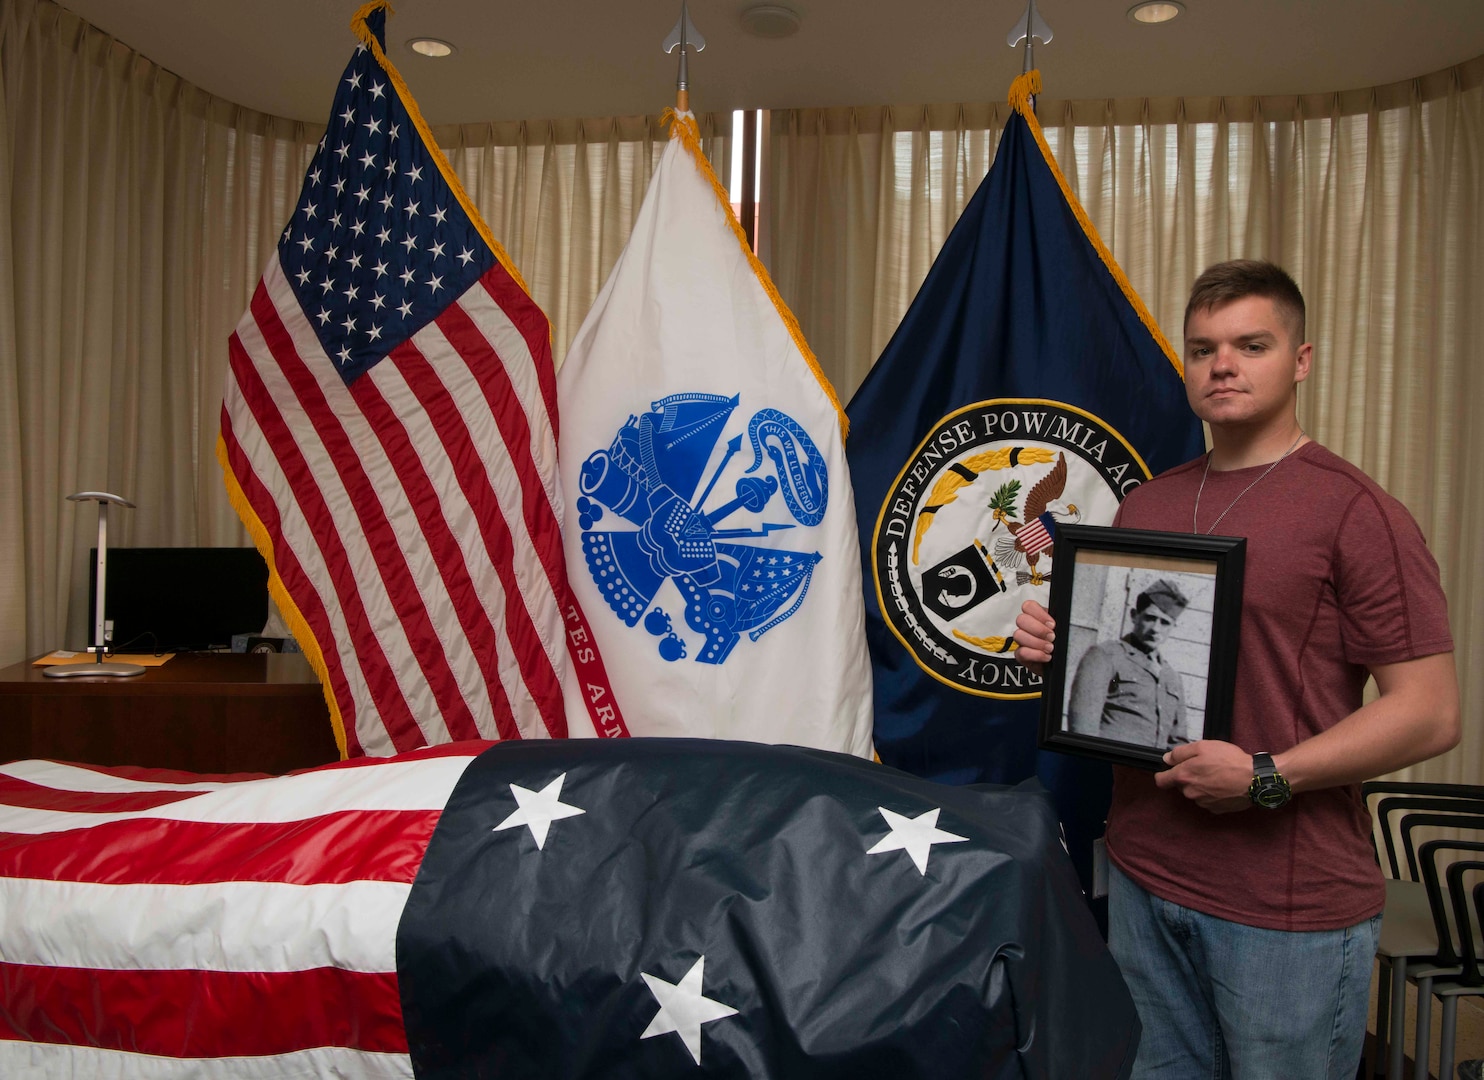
(915, 836)
(538, 809)
(683, 1008)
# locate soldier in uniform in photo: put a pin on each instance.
(1125, 690)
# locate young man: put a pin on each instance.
(1125, 689)
(1244, 899)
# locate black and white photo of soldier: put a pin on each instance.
(1143, 680)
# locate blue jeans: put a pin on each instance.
(1231, 1002)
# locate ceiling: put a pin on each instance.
(568, 58)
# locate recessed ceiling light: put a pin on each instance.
(430, 46)
(1163, 11)
(770, 21)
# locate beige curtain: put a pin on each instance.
(136, 215)
(562, 196)
(139, 213)
(858, 203)
(1374, 199)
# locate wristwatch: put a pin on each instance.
(1269, 790)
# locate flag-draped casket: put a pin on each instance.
(583, 908)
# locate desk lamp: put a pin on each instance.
(98, 666)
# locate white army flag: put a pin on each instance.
(710, 528)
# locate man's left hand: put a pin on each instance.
(1215, 775)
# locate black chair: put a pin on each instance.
(1458, 973)
(1409, 941)
(1390, 805)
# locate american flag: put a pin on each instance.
(1037, 534)
(389, 432)
(161, 924)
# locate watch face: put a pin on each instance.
(1270, 795)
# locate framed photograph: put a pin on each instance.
(1147, 626)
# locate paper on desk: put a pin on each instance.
(63, 656)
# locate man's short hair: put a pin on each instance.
(1228, 281)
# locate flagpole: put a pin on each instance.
(684, 37)
(1030, 27)
(1030, 47)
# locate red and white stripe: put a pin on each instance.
(413, 514)
(156, 925)
(1033, 537)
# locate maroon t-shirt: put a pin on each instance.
(1338, 577)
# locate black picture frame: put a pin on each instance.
(1102, 575)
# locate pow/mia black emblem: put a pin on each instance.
(968, 531)
(960, 582)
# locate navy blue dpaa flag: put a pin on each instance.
(653, 908)
(1027, 386)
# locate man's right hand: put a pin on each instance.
(1036, 634)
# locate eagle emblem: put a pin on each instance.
(967, 531)
(656, 480)
(1035, 534)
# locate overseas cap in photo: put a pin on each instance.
(1167, 596)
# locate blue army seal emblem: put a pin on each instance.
(647, 517)
(967, 532)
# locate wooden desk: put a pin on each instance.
(202, 712)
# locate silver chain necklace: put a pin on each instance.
(1196, 513)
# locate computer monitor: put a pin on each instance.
(181, 599)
